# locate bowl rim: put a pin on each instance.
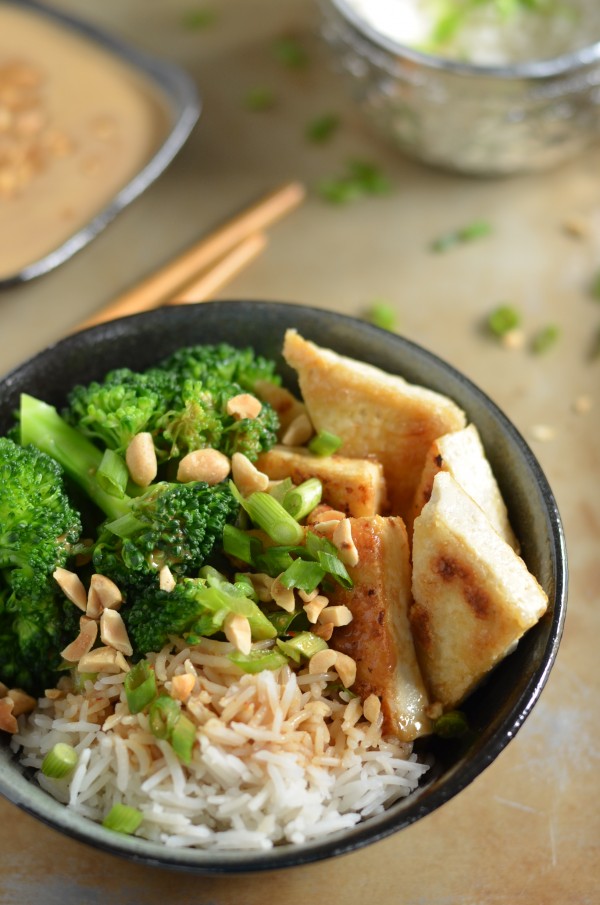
(534, 70)
(24, 793)
(182, 103)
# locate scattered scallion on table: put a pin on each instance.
(475, 230)
(322, 128)
(361, 178)
(544, 339)
(259, 99)
(503, 319)
(381, 314)
(198, 19)
(290, 52)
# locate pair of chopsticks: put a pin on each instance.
(200, 271)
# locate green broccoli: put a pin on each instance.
(182, 402)
(221, 362)
(196, 607)
(39, 530)
(169, 524)
(198, 418)
(125, 403)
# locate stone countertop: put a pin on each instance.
(528, 829)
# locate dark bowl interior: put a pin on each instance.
(499, 707)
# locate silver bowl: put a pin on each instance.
(479, 120)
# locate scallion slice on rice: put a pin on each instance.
(59, 761)
(123, 819)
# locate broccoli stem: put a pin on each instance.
(42, 426)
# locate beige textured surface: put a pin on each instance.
(528, 830)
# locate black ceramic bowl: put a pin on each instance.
(496, 711)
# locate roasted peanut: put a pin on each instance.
(207, 465)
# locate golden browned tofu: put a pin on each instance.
(473, 595)
(379, 638)
(353, 486)
(285, 403)
(374, 413)
(463, 456)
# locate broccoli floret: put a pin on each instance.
(182, 402)
(230, 365)
(39, 530)
(198, 418)
(174, 525)
(194, 608)
(122, 405)
(169, 524)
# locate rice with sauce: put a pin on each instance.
(280, 756)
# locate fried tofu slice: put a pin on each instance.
(379, 637)
(353, 486)
(473, 595)
(285, 403)
(462, 455)
(373, 413)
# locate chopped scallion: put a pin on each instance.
(503, 319)
(303, 575)
(324, 444)
(476, 230)
(453, 724)
(162, 717)
(544, 339)
(362, 178)
(244, 585)
(182, 738)
(268, 514)
(273, 561)
(196, 19)
(112, 474)
(322, 129)
(60, 760)
(336, 568)
(382, 315)
(283, 622)
(240, 544)
(140, 686)
(278, 489)
(123, 819)
(125, 526)
(290, 52)
(303, 645)
(301, 500)
(259, 99)
(257, 660)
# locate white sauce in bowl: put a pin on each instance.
(486, 36)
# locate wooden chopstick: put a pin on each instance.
(165, 283)
(211, 280)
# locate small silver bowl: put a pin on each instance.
(479, 120)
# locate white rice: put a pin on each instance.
(487, 37)
(276, 759)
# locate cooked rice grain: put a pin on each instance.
(277, 760)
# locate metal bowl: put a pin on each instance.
(165, 82)
(473, 119)
(499, 707)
